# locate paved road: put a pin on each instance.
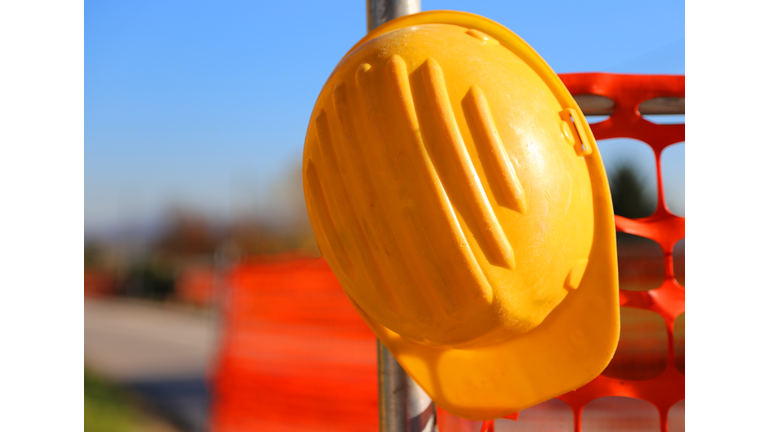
(161, 352)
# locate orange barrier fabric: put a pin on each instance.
(295, 355)
(666, 229)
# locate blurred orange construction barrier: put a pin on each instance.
(296, 356)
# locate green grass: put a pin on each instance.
(107, 408)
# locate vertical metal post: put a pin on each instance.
(403, 405)
(381, 11)
(225, 258)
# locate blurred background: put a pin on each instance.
(195, 117)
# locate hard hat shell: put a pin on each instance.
(456, 191)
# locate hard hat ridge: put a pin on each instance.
(457, 165)
(383, 158)
(492, 150)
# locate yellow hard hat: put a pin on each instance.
(456, 191)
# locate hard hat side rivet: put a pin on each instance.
(572, 127)
(566, 128)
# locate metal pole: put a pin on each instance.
(381, 11)
(403, 405)
(391, 391)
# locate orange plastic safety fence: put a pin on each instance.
(294, 354)
(668, 300)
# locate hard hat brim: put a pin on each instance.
(566, 351)
(578, 338)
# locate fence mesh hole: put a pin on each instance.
(641, 262)
(679, 336)
(678, 261)
(665, 119)
(676, 417)
(673, 173)
(553, 415)
(614, 413)
(642, 351)
(631, 168)
(594, 119)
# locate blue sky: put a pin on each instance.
(205, 104)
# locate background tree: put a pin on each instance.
(629, 193)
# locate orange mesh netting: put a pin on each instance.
(666, 229)
(296, 356)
